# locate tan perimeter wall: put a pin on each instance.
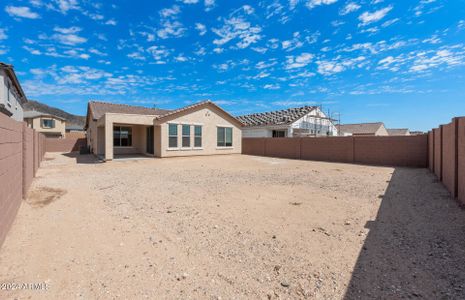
(72, 142)
(407, 151)
(431, 151)
(461, 160)
(437, 152)
(449, 156)
(21, 150)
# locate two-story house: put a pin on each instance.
(12, 97)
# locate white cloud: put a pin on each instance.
(314, 3)
(337, 65)
(159, 53)
(271, 86)
(201, 28)
(299, 61)
(21, 12)
(348, 8)
(68, 36)
(65, 5)
(237, 28)
(292, 44)
(190, 1)
(111, 22)
(209, 4)
(371, 17)
(3, 35)
(172, 11)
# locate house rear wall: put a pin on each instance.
(210, 119)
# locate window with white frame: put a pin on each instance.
(172, 135)
(224, 136)
(197, 136)
(122, 136)
(186, 136)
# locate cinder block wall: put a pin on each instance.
(403, 151)
(68, 144)
(449, 157)
(408, 151)
(17, 161)
(437, 133)
(461, 159)
(431, 151)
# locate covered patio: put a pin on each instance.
(125, 135)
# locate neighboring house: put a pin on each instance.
(363, 129)
(416, 132)
(73, 128)
(12, 97)
(299, 121)
(49, 125)
(199, 129)
(399, 131)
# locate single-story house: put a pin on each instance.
(298, 121)
(51, 126)
(363, 129)
(398, 131)
(199, 129)
(12, 97)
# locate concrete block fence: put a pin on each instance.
(21, 151)
(447, 156)
(405, 151)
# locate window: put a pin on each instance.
(172, 135)
(47, 123)
(186, 136)
(197, 136)
(279, 133)
(8, 93)
(122, 136)
(224, 137)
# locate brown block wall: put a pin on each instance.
(431, 151)
(64, 145)
(28, 158)
(461, 159)
(283, 147)
(437, 152)
(337, 149)
(253, 146)
(408, 151)
(11, 171)
(449, 157)
(405, 151)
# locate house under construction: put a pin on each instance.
(292, 122)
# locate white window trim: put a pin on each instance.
(190, 137)
(177, 136)
(232, 138)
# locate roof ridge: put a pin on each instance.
(124, 104)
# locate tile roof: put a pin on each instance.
(193, 107)
(98, 109)
(399, 131)
(278, 117)
(362, 128)
(31, 114)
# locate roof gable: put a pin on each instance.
(362, 128)
(195, 107)
(278, 117)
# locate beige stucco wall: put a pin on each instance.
(110, 119)
(35, 123)
(209, 118)
(382, 131)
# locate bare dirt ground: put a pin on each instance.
(237, 227)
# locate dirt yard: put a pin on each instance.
(234, 227)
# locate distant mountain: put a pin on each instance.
(70, 118)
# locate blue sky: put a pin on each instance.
(401, 62)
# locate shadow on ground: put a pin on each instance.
(83, 158)
(416, 246)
